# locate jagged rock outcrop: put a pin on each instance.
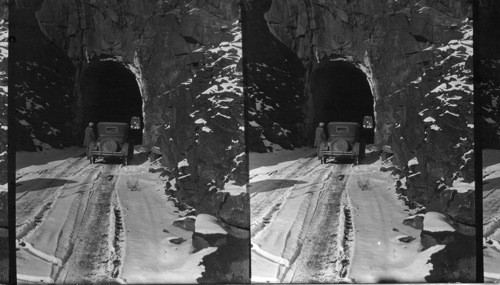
(185, 57)
(435, 145)
(43, 84)
(417, 58)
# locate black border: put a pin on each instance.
(11, 152)
(478, 159)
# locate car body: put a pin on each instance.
(112, 141)
(344, 140)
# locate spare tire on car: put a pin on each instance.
(340, 145)
(108, 145)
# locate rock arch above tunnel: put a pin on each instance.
(109, 93)
(340, 92)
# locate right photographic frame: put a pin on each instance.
(360, 141)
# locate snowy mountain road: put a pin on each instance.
(296, 235)
(99, 223)
(63, 217)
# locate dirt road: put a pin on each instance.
(64, 224)
(299, 223)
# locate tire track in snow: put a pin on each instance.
(36, 200)
(304, 199)
(91, 254)
(345, 237)
(116, 238)
(73, 225)
(321, 249)
(264, 205)
(53, 237)
(75, 215)
(272, 201)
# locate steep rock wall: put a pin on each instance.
(385, 39)
(186, 60)
(43, 84)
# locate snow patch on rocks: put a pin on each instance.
(208, 224)
(436, 222)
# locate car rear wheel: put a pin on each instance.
(108, 145)
(340, 145)
(130, 151)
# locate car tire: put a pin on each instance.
(362, 150)
(340, 145)
(108, 145)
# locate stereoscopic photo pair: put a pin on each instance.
(249, 141)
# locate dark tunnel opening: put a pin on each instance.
(110, 93)
(341, 93)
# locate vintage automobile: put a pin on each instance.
(112, 141)
(344, 140)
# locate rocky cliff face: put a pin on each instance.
(43, 84)
(385, 39)
(417, 60)
(185, 59)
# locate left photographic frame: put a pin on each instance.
(130, 154)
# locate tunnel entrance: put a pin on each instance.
(110, 93)
(341, 93)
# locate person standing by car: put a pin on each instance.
(89, 138)
(319, 138)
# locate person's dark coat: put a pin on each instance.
(89, 136)
(320, 136)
